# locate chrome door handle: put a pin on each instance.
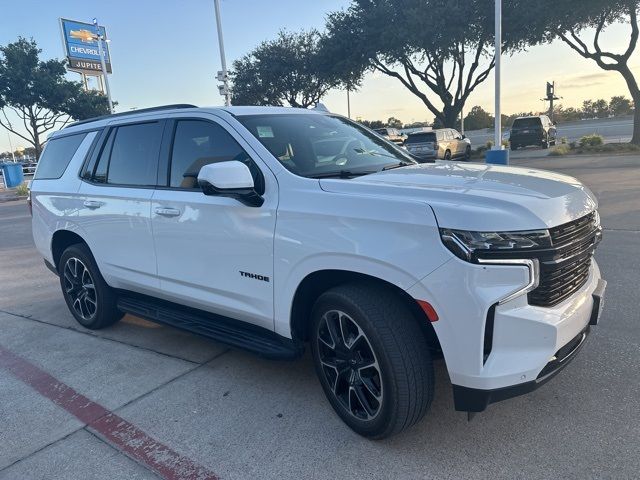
(167, 212)
(92, 204)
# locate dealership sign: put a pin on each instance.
(81, 46)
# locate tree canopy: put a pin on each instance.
(573, 24)
(294, 69)
(39, 96)
(414, 42)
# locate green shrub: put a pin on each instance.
(592, 140)
(22, 190)
(564, 140)
(562, 149)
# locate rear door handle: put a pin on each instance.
(92, 204)
(167, 212)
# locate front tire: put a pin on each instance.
(90, 300)
(467, 154)
(372, 359)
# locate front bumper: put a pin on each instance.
(498, 350)
(476, 400)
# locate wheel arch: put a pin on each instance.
(318, 282)
(60, 241)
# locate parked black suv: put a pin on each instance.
(538, 130)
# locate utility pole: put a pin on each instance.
(462, 121)
(222, 76)
(103, 65)
(551, 96)
(348, 104)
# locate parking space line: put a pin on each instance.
(123, 435)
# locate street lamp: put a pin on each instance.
(497, 154)
(222, 75)
(103, 65)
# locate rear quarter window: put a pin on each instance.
(421, 137)
(57, 155)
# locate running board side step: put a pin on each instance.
(234, 333)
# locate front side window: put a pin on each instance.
(57, 155)
(197, 143)
(316, 145)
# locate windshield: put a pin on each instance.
(314, 145)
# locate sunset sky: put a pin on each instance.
(167, 52)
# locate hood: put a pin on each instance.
(480, 197)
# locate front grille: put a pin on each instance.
(564, 268)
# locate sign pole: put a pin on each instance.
(227, 95)
(103, 64)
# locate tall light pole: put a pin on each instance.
(103, 65)
(497, 144)
(498, 154)
(13, 155)
(224, 89)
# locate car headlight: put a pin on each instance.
(470, 246)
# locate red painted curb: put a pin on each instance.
(118, 432)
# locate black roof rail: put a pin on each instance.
(132, 112)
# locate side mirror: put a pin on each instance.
(229, 179)
(462, 137)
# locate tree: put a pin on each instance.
(291, 70)
(37, 93)
(372, 124)
(601, 108)
(620, 105)
(478, 118)
(402, 39)
(564, 19)
(393, 122)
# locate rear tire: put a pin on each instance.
(371, 358)
(90, 300)
(447, 155)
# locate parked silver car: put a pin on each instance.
(444, 143)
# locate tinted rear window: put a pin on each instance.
(57, 155)
(421, 137)
(526, 122)
(134, 155)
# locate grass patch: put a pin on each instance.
(562, 149)
(22, 190)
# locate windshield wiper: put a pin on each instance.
(397, 165)
(341, 174)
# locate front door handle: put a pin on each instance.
(167, 212)
(92, 204)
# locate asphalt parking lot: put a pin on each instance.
(138, 397)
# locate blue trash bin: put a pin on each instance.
(12, 173)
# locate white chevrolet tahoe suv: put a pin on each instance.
(269, 228)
